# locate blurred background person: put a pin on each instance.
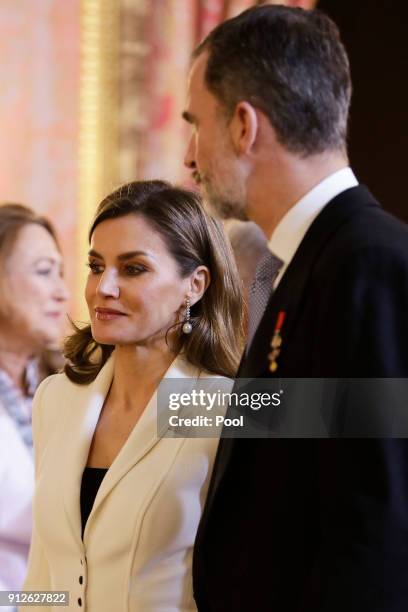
(32, 305)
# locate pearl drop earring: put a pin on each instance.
(187, 327)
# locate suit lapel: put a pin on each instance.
(288, 298)
(290, 292)
(87, 402)
(84, 414)
(141, 441)
(86, 407)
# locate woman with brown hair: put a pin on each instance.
(32, 305)
(117, 507)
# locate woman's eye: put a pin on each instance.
(134, 270)
(44, 272)
(94, 267)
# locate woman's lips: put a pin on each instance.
(107, 314)
(54, 315)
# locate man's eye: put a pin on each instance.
(134, 270)
(95, 268)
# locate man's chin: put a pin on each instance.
(226, 209)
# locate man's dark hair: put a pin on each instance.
(289, 63)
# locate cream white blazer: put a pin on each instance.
(136, 553)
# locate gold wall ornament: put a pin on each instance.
(98, 123)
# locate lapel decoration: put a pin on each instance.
(276, 342)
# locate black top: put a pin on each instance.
(91, 481)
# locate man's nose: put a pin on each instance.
(108, 284)
(189, 158)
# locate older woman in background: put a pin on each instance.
(32, 305)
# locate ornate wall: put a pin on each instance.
(39, 72)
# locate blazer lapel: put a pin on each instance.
(141, 441)
(85, 410)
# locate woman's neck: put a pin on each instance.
(14, 364)
(138, 368)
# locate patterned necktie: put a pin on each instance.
(260, 291)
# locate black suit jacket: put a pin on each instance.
(309, 525)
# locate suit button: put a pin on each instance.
(79, 601)
(81, 579)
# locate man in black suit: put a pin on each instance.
(302, 525)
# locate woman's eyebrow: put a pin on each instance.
(130, 254)
(47, 258)
(93, 253)
(122, 256)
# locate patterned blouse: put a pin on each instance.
(17, 405)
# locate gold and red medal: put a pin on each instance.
(276, 342)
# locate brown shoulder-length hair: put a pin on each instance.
(13, 218)
(193, 238)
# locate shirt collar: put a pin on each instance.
(18, 405)
(292, 228)
(32, 377)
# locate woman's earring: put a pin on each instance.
(187, 327)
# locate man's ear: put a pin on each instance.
(199, 281)
(243, 127)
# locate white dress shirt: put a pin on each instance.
(292, 228)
